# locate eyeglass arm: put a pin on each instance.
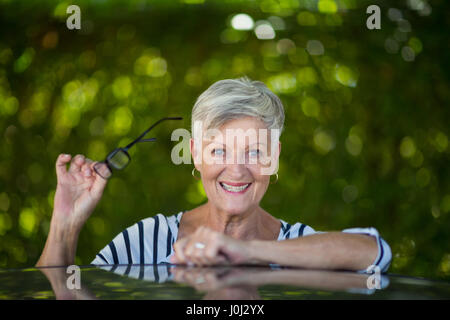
(138, 139)
(147, 140)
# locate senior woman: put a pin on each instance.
(231, 227)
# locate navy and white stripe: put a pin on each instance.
(384, 257)
(150, 241)
(294, 231)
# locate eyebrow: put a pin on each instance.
(212, 141)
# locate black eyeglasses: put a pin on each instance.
(119, 158)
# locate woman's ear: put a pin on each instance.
(277, 158)
(191, 147)
(276, 155)
(194, 148)
(279, 148)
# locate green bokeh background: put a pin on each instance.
(367, 117)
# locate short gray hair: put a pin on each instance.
(235, 98)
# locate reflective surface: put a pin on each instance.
(237, 283)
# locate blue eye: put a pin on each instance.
(254, 153)
(218, 152)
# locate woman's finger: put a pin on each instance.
(179, 254)
(86, 170)
(89, 163)
(99, 185)
(77, 163)
(203, 251)
(92, 164)
(212, 254)
(61, 164)
(190, 249)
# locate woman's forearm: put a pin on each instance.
(331, 250)
(60, 247)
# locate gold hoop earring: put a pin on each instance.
(193, 174)
(276, 180)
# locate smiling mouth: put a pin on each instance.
(238, 188)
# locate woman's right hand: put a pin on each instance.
(78, 191)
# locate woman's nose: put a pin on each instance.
(236, 170)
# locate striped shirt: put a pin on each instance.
(150, 241)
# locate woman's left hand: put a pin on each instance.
(207, 247)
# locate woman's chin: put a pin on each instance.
(235, 209)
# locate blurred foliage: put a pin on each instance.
(367, 127)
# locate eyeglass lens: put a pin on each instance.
(119, 159)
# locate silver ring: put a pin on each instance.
(199, 245)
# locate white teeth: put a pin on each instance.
(234, 188)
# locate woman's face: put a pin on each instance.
(233, 162)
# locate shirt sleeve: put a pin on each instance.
(148, 241)
(384, 256)
(119, 250)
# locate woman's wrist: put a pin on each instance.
(258, 251)
(63, 229)
(60, 247)
(64, 222)
(58, 252)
